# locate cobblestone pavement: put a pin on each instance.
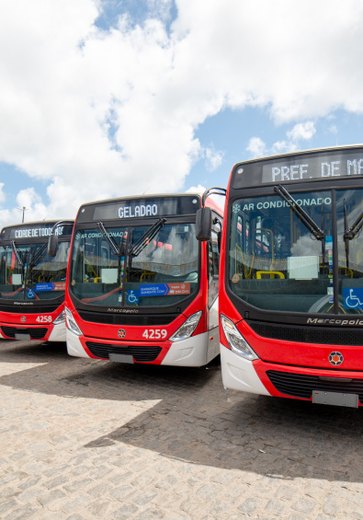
(83, 439)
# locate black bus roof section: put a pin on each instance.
(320, 164)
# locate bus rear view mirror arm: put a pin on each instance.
(53, 238)
(52, 245)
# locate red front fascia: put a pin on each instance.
(135, 334)
(262, 368)
(22, 320)
(301, 354)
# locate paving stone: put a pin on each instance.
(82, 440)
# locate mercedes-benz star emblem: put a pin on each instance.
(336, 358)
(121, 333)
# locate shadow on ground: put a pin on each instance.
(198, 422)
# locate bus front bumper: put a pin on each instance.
(52, 332)
(287, 381)
(195, 351)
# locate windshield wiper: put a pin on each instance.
(118, 250)
(150, 233)
(17, 254)
(34, 259)
(305, 218)
(346, 240)
(352, 232)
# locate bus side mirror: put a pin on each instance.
(203, 224)
(52, 245)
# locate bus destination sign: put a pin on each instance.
(33, 232)
(299, 168)
(143, 208)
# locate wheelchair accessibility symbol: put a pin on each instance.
(132, 298)
(353, 298)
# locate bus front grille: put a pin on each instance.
(300, 385)
(36, 333)
(102, 350)
(124, 319)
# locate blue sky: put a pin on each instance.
(338, 128)
(117, 97)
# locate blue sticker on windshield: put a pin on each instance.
(157, 289)
(49, 286)
(353, 298)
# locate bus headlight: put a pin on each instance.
(188, 327)
(60, 319)
(237, 342)
(71, 324)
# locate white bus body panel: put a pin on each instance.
(239, 373)
(213, 315)
(193, 352)
(74, 345)
(58, 333)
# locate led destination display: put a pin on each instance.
(299, 168)
(35, 231)
(143, 208)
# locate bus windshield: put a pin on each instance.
(277, 262)
(135, 266)
(28, 273)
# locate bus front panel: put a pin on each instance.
(292, 300)
(138, 287)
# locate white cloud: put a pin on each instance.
(284, 146)
(160, 9)
(27, 197)
(196, 189)
(302, 131)
(213, 158)
(30, 202)
(66, 85)
(256, 147)
(299, 132)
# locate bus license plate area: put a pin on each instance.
(22, 337)
(121, 358)
(335, 398)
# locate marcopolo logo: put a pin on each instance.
(121, 333)
(336, 358)
(335, 321)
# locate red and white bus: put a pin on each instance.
(291, 295)
(140, 287)
(32, 283)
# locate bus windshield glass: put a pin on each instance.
(135, 266)
(277, 262)
(28, 273)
